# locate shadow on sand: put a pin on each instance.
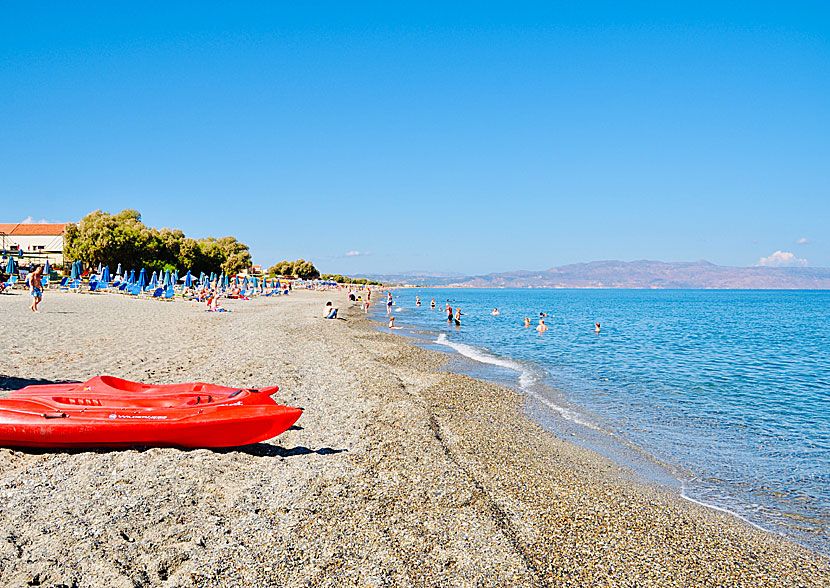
(14, 383)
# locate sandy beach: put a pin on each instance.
(397, 474)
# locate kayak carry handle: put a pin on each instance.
(54, 415)
(238, 392)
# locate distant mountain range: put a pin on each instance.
(630, 274)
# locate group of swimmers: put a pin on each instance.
(455, 317)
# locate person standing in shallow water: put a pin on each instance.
(389, 303)
(36, 287)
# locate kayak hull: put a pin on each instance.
(25, 423)
(110, 412)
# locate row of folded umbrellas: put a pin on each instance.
(170, 278)
(158, 279)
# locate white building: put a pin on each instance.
(36, 240)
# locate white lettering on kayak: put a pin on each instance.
(137, 416)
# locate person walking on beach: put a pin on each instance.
(36, 287)
(541, 327)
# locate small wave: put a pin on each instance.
(529, 378)
(684, 495)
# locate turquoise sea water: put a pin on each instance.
(723, 394)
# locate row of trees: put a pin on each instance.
(347, 280)
(110, 239)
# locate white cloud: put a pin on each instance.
(782, 259)
(356, 253)
(29, 221)
(803, 241)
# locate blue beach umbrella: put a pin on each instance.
(46, 269)
(174, 277)
(142, 278)
(118, 271)
(166, 281)
(188, 280)
(256, 282)
(105, 274)
(20, 253)
(236, 280)
(73, 273)
(10, 265)
(132, 277)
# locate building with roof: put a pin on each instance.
(35, 241)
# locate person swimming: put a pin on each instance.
(495, 312)
(596, 327)
(527, 322)
(417, 301)
(541, 327)
(432, 303)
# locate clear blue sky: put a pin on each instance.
(469, 139)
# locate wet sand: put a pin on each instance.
(397, 474)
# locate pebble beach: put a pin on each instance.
(399, 473)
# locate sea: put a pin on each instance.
(720, 395)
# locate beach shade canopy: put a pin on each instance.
(142, 279)
(105, 274)
(10, 265)
(188, 280)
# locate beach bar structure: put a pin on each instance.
(35, 241)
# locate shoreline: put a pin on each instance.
(400, 473)
(645, 468)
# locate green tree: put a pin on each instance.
(122, 238)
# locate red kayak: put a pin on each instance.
(66, 415)
(110, 387)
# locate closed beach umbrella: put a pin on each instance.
(118, 271)
(174, 277)
(142, 278)
(73, 273)
(166, 281)
(46, 269)
(105, 274)
(188, 280)
(236, 280)
(154, 280)
(256, 282)
(132, 277)
(10, 265)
